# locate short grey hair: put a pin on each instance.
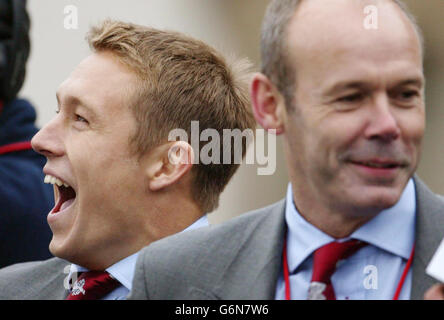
(274, 51)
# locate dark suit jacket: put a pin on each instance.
(242, 258)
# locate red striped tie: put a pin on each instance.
(325, 261)
(93, 285)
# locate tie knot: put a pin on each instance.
(93, 285)
(327, 257)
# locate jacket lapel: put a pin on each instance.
(429, 232)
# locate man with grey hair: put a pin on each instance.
(357, 223)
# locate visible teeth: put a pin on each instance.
(53, 180)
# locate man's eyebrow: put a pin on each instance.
(345, 85)
(71, 100)
(419, 82)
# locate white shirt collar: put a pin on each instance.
(304, 238)
(123, 270)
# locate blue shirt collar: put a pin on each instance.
(303, 238)
(123, 270)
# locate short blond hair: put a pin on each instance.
(181, 79)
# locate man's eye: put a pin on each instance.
(80, 118)
(409, 94)
(351, 98)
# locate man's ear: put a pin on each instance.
(268, 104)
(169, 164)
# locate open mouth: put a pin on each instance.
(66, 194)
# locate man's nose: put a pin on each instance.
(48, 140)
(383, 124)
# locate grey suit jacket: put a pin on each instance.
(40, 280)
(242, 258)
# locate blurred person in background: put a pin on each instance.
(24, 199)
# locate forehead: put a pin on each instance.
(100, 81)
(327, 38)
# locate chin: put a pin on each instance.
(55, 249)
(378, 200)
(60, 249)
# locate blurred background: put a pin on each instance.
(233, 27)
